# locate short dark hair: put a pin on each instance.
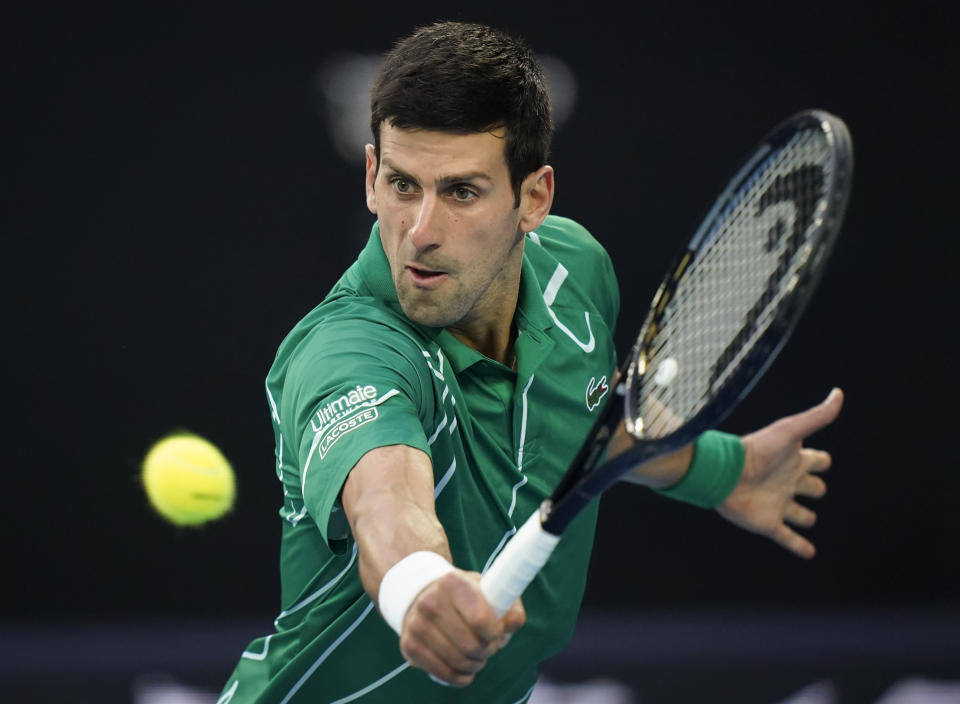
(464, 78)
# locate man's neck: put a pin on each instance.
(496, 343)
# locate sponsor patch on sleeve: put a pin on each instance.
(345, 414)
(345, 425)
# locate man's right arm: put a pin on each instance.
(449, 630)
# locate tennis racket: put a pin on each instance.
(723, 312)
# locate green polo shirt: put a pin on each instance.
(356, 374)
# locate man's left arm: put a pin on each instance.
(776, 470)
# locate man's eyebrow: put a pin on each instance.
(443, 181)
(398, 171)
(463, 178)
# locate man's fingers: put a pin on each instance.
(794, 542)
(426, 646)
(812, 487)
(515, 617)
(813, 419)
(473, 624)
(476, 610)
(816, 460)
(799, 515)
(512, 621)
(419, 655)
(451, 630)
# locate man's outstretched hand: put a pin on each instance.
(778, 469)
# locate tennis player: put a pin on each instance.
(435, 397)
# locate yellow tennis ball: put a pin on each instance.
(188, 480)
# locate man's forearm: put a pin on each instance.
(388, 500)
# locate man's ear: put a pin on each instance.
(536, 198)
(371, 177)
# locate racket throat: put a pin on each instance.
(549, 520)
(557, 512)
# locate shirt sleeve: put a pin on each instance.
(355, 386)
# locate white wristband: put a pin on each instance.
(406, 579)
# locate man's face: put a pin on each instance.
(448, 225)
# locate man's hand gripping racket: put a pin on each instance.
(721, 315)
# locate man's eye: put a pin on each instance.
(402, 185)
(463, 193)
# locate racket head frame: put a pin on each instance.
(823, 231)
(578, 488)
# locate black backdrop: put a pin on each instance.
(174, 205)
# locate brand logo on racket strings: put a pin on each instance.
(596, 390)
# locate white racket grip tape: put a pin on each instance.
(402, 582)
(518, 564)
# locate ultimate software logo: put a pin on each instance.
(345, 414)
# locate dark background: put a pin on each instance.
(174, 204)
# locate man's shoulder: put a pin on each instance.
(346, 321)
(561, 245)
(568, 242)
(565, 236)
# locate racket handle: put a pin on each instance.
(518, 564)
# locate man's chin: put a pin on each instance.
(426, 315)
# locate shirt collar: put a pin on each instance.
(373, 270)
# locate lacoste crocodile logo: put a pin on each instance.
(596, 390)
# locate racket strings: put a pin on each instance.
(729, 295)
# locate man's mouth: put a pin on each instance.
(425, 277)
